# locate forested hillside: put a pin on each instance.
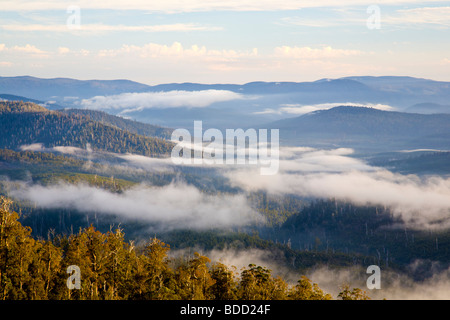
(366, 129)
(122, 123)
(27, 123)
(335, 226)
(112, 269)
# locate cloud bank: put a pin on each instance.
(170, 207)
(300, 109)
(184, 27)
(394, 286)
(421, 202)
(191, 5)
(169, 99)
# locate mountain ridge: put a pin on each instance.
(251, 104)
(355, 126)
(25, 123)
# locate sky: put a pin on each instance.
(212, 41)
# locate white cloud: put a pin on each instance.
(303, 109)
(27, 49)
(175, 6)
(39, 147)
(307, 22)
(183, 27)
(394, 285)
(267, 111)
(420, 202)
(169, 99)
(146, 163)
(63, 50)
(172, 206)
(420, 16)
(33, 147)
(300, 109)
(176, 50)
(6, 64)
(307, 53)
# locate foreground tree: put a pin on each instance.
(305, 290)
(224, 287)
(194, 280)
(17, 254)
(257, 283)
(352, 294)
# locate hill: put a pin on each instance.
(328, 225)
(24, 123)
(429, 108)
(348, 126)
(11, 97)
(122, 123)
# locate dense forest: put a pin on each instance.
(52, 167)
(113, 269)
(330, 226)
(23, 123)
(122, 123)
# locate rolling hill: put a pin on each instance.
(132, 126)
(367, 128)
(24, 123)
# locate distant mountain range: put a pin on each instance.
(419, 115)
(400, 92)
(60, 88)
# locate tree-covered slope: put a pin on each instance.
(366, 128)
(27, 123)
(122, 123)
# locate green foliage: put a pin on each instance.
(276, 209)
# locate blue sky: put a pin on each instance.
(224, 42)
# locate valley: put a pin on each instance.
(70, 169)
